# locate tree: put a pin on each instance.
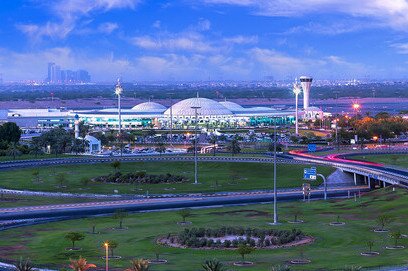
(383, 220)
(78, 146)
(184, 213)
(61, 178)
(116, 165)
(24, 265)
(370, 245)
(244, 249)
(36, 175)
(92, 224)
(138, 265)
(120, 215)
(35, 147)
(80, 264)
(74, 237)
(13, 150)
(213, 140)
(160, 148)
(10, 132)
(396, 235)
(234, 147)
(112, 246)
(296, 212)
(213, 265)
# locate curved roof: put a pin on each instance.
(208, 107)
(149, 107)
(232, 106)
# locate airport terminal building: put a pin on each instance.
(181, 115)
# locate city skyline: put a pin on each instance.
(56, 75)
(214, 39)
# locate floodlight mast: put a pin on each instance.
(118, 92)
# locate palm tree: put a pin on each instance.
(24, 265)
(213, 265)
(213, 140)
(396, 235)
(116, 165)
(120, 215)
(80, 264)
(138, 265)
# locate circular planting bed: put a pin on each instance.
(73, 249)
(381, 230)
(337, 223)
(296, 222)
(112, 257)
(184, 223)
(395, 247)
(233, 237)
(157, 261)
(244, 263)
(300, 261)
(370, 254)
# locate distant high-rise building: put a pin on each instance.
(58, 76)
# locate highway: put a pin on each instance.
(163, 203)
(194, 200)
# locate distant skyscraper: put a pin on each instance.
(58, 76)
(306, 83)
(51, 66)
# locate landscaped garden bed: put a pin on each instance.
(233, 237)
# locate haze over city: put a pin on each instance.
(143, 40)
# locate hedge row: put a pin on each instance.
(141, 177)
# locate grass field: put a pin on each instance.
(227, 176)
(388, 159)
(334, 247)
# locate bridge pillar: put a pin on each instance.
(365, 179)
(355, 179)
(369, 182)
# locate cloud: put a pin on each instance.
(240, 39)
(393, 13)
(401, 48)
(107, 28)
(191, 42)
(156, 24)
(68, 13)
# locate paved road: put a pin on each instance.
(161, 203)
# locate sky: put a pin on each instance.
(187, 40)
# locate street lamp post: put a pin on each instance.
(195, 144)
(171, 120)
(296, 90)
(275, 194)
(118, 92)
(337, 134)
(106, 245)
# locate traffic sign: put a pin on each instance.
(310, 173)
(311, 147)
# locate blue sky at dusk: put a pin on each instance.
(144, 40)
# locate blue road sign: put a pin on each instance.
(310, 173)
(311, 147)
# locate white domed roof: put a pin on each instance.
(149, 107)
(232, 106)
(207, 108)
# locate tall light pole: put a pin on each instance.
(195, 144)
(171, 120)
(297, 89)
(337, 133)
(275, 193)
(106, 245)
(118, 92)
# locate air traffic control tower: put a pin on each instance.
(306, 83)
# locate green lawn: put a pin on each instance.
(334, 247)
(248, 176)
(388, 159)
